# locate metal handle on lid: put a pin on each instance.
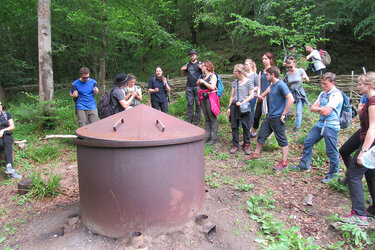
(121, 121)
(162, 127)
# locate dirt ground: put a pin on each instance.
(38, 225)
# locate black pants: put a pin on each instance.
(163, 106)
(350, 146)
(236, 134)
(257, 115)
(6, 144)
(354, 176)
(192, 98)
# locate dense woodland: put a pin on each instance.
(135, 36)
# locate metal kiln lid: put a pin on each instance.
(141, 126)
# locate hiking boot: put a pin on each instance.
(282, 165)
(246, 149)
(211, 142)
(370, 211)
(295, 130)
(233, 150)
(252, 156)
(352, 218)
(207, 139)
(299, 168)
(9, 169)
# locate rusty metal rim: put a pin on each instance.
(120, 144)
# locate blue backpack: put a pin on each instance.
(220, 86)
(347, 112)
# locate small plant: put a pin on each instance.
(42, 189)
(355, 235)
(339, 185)
(242, 186)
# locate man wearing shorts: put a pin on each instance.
(83, 89)
(282, 101)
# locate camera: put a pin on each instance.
(205, 95)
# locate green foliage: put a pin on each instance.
(285, 22)
(242, 186)
(355, 235)
(45, 188)
(276, 235)
(44, 153)
(337, 184)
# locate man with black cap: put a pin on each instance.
(117, 100)
(193, 72)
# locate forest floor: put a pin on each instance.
(230, 184)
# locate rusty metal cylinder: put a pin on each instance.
(151, 183)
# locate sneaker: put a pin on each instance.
(298, 168)
(253, 135)
(355, 219)
(327, 180)
(282, 165)
(246, 149)
(207, 139)
(252, 156)
(9, 169)
(370, 211)
(16, 175)
(233, 150)
(295, 130)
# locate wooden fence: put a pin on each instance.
(347, 83)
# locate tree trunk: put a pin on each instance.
(45, 56)
(102, 71)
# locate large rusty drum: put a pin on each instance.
(139, 170)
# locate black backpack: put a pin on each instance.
(104, 107)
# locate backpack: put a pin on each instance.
(347, 111)
(326, 58)
(104, 107)
(220, 86)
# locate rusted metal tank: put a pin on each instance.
(139, 170)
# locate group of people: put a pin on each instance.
(252, 95)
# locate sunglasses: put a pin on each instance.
(85, 78)
(289, 67)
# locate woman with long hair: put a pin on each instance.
(242, 93)
(132, 88)
(251, 73)
(158, 87)
(354, 174)
(294, 78)
(263, 85)
(209, 101)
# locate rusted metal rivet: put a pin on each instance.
(202, 219)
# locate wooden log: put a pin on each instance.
(59, 136)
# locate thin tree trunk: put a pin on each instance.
(45, 57)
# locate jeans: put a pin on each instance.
(354, 176)
(350, 146)
(192, 97)
(163, 106)
(6, 144)
(299, 109)
(86, 116)
(330, 137)
(211, 124)
(253, 102)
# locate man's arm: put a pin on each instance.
(289, 104)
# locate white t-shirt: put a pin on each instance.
(317, 60)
